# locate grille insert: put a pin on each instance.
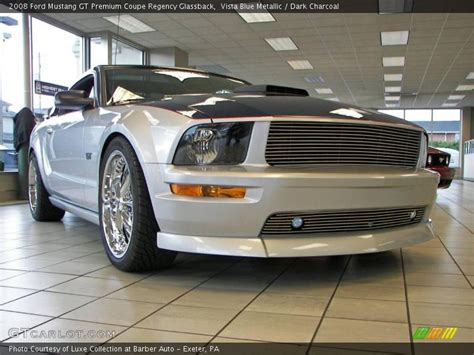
(319, 143)
(343, 221)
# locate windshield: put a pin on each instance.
(151, 84)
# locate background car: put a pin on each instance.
(439, 161)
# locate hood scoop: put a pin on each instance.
(270, 90)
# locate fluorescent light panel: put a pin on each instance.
(393, 61)
(393, 88)
(465, 88)
(256, 17)
(324, 91)
(282, 44)
(470, 75)
(392, 98)
(392, 77)
(449, 104)
(391, 105)
(129, 23)
(456, 97)
(394, 38)
(300, 64)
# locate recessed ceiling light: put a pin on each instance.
(456, 97)
(255, 17)
(282, 44)
(393, 61)
(449, 104)
(324, 91)
(314, 79)
(392, 98)
(333, 99)
(470, 75)
(393, 88)
(392, 77)
(465, 88)
(300, 64)
(391, 105)
(129, 23)
(394, 38)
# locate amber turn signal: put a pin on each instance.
(208, 191)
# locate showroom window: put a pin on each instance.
(123, 53)
(57, 58)
(99, 51)
(11, 84)
(396, 113)
(442, 125)
(445, 132)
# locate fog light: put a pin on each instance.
(297, 223)
(208, 191)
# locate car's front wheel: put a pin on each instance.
(128, 225)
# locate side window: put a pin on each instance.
(86, 84)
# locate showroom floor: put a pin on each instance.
(56, 276)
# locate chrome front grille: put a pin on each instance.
(342, 220)
(319, 143)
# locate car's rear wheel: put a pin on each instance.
(40, 207)
(127, 222)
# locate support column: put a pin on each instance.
(27, 69)
(169, 57)
(466, 133)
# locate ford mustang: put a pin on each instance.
(168, 160)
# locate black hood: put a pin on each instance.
(238, 105)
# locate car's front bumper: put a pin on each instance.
(298, 246)
(233, 226)
(446, 175)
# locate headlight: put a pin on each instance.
(217, 144)
(430, 160)
(423, 151)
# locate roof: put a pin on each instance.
(440, 126)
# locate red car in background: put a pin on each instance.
(439, 161)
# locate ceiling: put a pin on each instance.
(344, 49)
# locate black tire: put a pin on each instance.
(142, 253)
(43, 210)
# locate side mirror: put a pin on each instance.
(72, 100)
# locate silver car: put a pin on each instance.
(168, 160)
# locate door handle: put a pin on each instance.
(49, 130)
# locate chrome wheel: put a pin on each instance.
(117, 204)
(32, 186)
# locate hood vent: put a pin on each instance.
(270, 90)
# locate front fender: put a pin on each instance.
(152, 132)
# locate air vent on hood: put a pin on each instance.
(270, 90)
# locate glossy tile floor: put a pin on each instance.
(55, 276)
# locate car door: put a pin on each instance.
(65, 148)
